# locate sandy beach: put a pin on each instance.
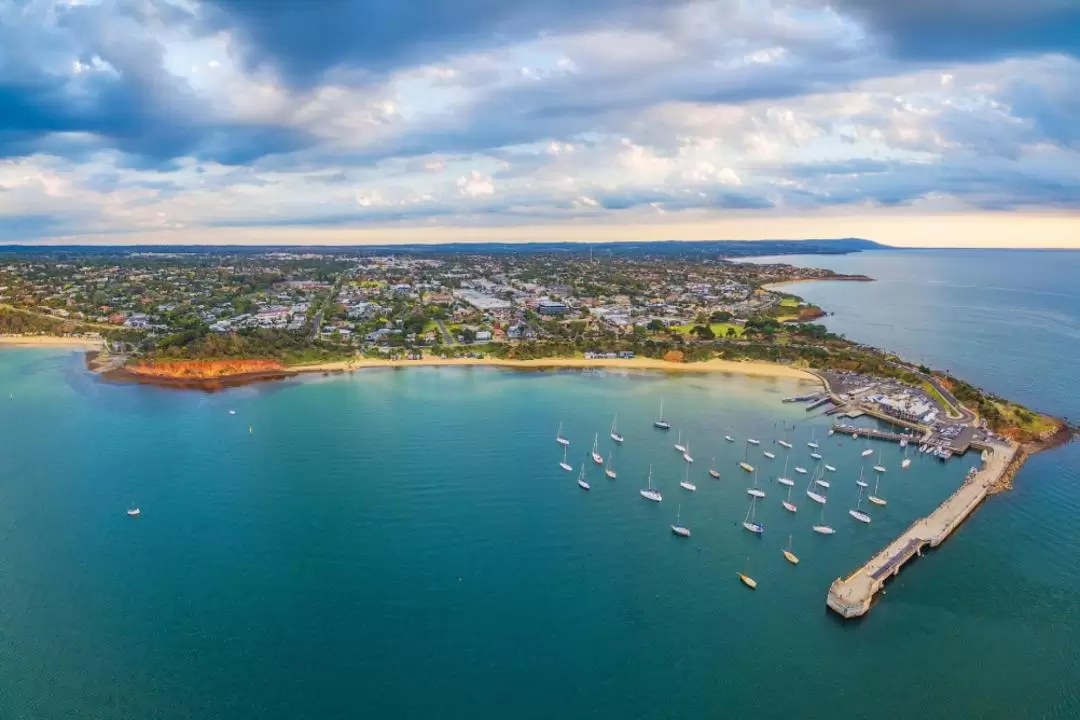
(753, 368)
(51, 341)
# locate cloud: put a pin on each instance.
(475, 185)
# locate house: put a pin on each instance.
(552, 307)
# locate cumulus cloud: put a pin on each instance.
(120, 116)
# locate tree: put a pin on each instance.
(704, 332)
(468, 335)
(656, 325)
(731, 332)
(720, 316)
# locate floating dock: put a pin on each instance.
(851, 596)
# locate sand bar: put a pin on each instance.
(52, 341)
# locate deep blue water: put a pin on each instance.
(404, 544)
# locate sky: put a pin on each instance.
(922, 122)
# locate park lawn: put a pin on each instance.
(1030, 422)
(789, 302)
(719, 329)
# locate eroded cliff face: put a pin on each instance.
(202, 369)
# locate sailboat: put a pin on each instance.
(811, 444)
(749, 522)
(906, 461)
(712, 469)
(784, 479)
(660, 423)
(789, 555)
(686, 453)
(822, 528)
(596, 456)
(857, 512)
(868, 451)
(559, 438)
(232, 412)
(800, 470)
(813, 494)
(874, 497)
(609, 470)
(784, 443)
(788, 505)
(820, 480)
(769, 454)
(860, 482)
(649, 493)
(729, 438)
(679, 447)
(745, 465)
(686, 484)
(746, 579)
(829, 467)
(678, 528)
(133, 511)
(754, 489)
(614, 434)
(752, 441)
(581, 481)
(879, 467)
(565, 465)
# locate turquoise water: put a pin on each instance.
(404, 544)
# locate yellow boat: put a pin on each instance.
(790, 556)
(746, 466)
(748, 581)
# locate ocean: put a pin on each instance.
(403, 543)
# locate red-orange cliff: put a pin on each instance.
(203, 369)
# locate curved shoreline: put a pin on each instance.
(211, 384)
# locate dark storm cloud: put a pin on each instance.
(303, 38)
(970, 29)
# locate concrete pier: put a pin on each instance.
(877, 434)
(851, 596)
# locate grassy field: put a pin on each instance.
(789, 302)
(719, 329)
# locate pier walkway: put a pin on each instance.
(877, 434)
(851, 596)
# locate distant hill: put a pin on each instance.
(667, 248)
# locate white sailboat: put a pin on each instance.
(678, 528)
(829, 467)
(820, 480)
(868, 451)
(713, 472)
(596, 456)
(232, 412)
(815, 455)
(133, 511)
(860, 482)
(813, 494)
(754, 490)
(788, 505)
(857, 511)
(559, 438)
(729, 438)
(874, 497)
(650, 494)
(614, 434)
(752, 441)
(811, 444)
(679, 447)
(906, 462)
(749, 522)
(565, 465)
(784, 479)
(581, 481)
(660, 423)
(769, 455)
(800, 470)
(686, 453)
(609, 470)
(686, 484)
(784, 443)
(822, 528)
(879, 467)
(790, 556)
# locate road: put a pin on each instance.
(447, 337)
(316, 322)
